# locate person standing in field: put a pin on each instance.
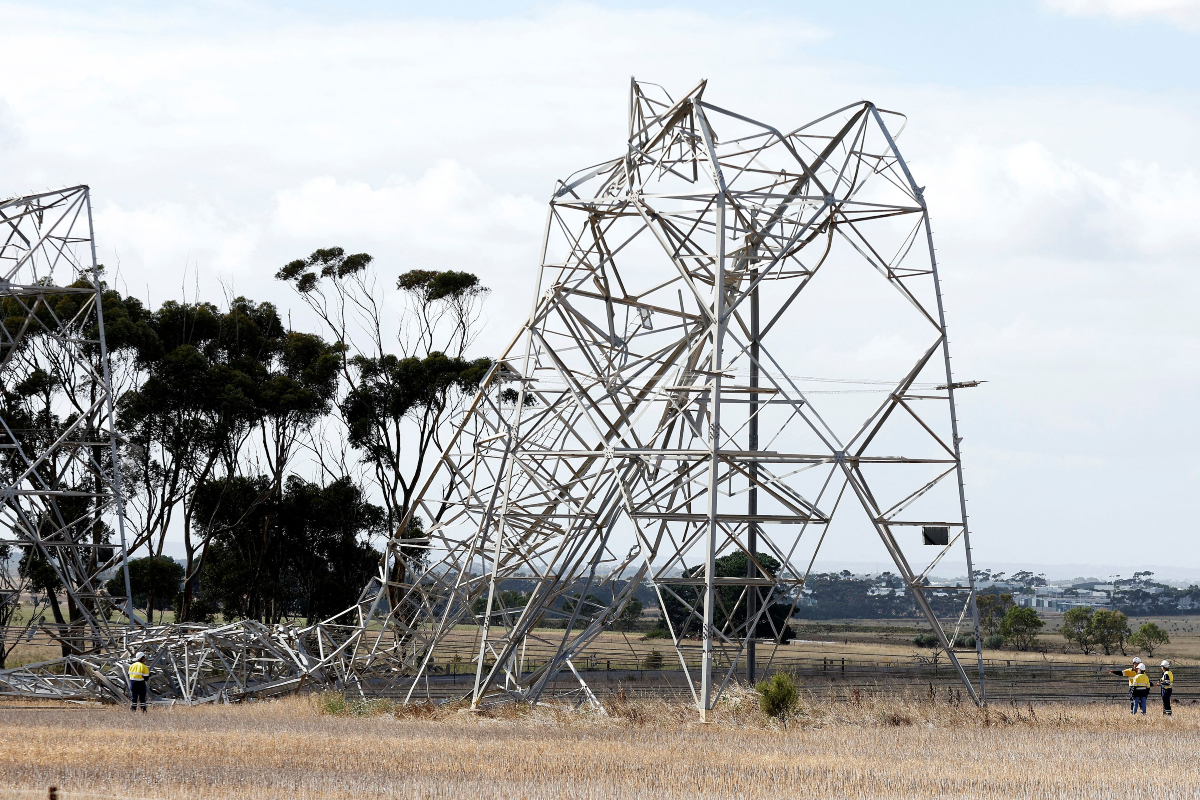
(139, 673)
(1166, 685)
(1130, 673)
(1141, 689)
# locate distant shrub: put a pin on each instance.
(1149, 638)
(1021, 625)
(659, 631)
(994, 642)
(926, 640)
(778, 696)
(930, 640)
(653, 660)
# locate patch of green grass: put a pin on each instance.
(337, 704)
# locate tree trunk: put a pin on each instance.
(56, 610)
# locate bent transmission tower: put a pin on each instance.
(656, 419)
(61, 514)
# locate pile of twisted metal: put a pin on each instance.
(193, 664)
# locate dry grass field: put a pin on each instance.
(834, 748)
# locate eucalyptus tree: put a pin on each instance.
(186, 421)
(312, 563)
(227, 394)
(401, 383)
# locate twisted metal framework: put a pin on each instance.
(649, 422)
(193, 664)
(60, 491)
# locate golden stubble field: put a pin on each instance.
(873, 748)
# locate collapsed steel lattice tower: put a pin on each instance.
(653, 419)
(61, 513)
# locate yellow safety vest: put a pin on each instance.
(1167, 679)
(138, 671)
(1141, 681)
(1131, 674)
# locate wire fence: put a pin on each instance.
(1004, 679)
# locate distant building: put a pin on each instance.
(1005, 586)
(1056, 600)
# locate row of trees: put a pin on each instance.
(1088, 629)
(1101, 629)
(279, 456)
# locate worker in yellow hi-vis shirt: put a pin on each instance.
(1167, 685)
(1141, 689)
(139, 673)
(1130, 673)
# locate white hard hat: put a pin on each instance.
(1141, 667)
(139, 656)
(1166, 664)
(1137, 660)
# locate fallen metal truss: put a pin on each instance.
(656, 419)
(195, 664)
(61, 518)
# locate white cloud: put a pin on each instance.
(1185, 13)
(164, 249)
(448, 208)
(1027, 198)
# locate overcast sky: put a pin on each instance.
(1058, 141)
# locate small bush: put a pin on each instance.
(994, 642)
(653, 660)
(336, 704)
(926, 640)
(332, 703)
(778, 696)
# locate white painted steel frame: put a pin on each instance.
(555, 466)
(47, 264)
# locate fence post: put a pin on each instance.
(53, 793)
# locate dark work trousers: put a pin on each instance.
(1132, 702)
(1166, 697)
(137, 693)
(1139, 701)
